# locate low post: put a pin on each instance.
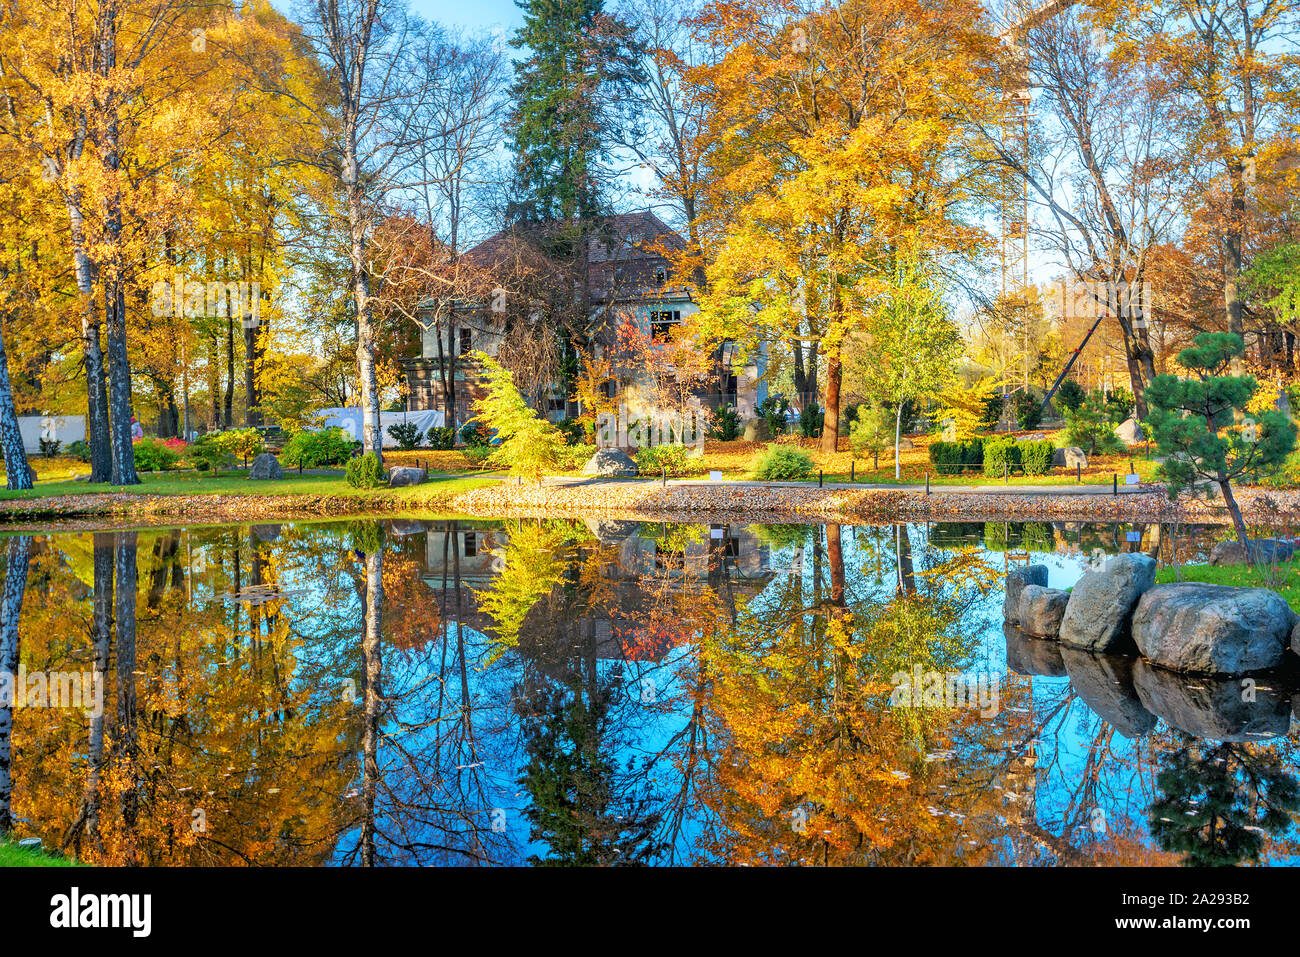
(820, 478)
(927, 483)
(852, 467)
(1078, 474)
(1005, 472)
(665, 476)
(1114, 483)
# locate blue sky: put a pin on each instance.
(470, 14)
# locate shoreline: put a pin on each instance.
(683, 501)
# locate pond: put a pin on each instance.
(457, 692)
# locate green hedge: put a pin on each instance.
(1001, 456)
(949, 457)
(1037, 457)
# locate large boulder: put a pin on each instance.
(756, 430)
(1213, 629)
(1216, 709)
(404, 476)
(905, 445)
(1097, 615)
(1017, 579)
(1261, 550)
(610, 463)
(1130, 432)
(265, 466)
(611, 531)
(1105, 683)
(1070, 457)
(1032, 656)
(1041, 610)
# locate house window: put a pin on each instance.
(609, 388)
(661, 324)
(555, 405)
(471, 544)
(661, 275)
(466, 341)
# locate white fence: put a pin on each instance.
(66, 428)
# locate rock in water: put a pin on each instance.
(265, 466)
(1130, 432)
(1070, 457)
(1097, 615)
(610, 463)
(1261, 550)
(405, 476)
(1213, 629)
(1105, 683)
(1032, 656)
(1017, 579)
(1041, 610)
(1212, 708)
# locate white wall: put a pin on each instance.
(66, 428)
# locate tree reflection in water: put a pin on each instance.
(485, 692)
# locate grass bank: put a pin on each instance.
(11, 855)
(1284, 580)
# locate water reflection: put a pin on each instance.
(603, 693)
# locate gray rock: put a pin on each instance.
(1097, 615)
(610, 463)
(1261, 550)
(265, 466)
(611, 531)
(404, 476)
(905, 445)
(406, 527)
(1032, 437)
(1032, 656)
(1130, 432)
(81, 478)
(756, 430)
(1017, 579)
(1105, 683)
(1070, 457)
(1216, 709)
(1041, 610)
(1213, 629)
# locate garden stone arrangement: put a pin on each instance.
(1184, 626)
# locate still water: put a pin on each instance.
(509, 692)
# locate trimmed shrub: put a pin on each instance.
(1037, 457)
(407, 435)
(676, 458)
(956, 458)
(152, 455)
(1000, 455)
(442, 437)
(207, 455)
(364, 471)
(783, 463)
(311, 450)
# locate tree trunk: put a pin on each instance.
(898, 435)
(17, 556)
(228, 401)
(831, 408)
(121, 447)
(1238, 522)
(372, 660)
(126, 733)
(18, 473)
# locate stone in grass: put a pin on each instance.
(1017, 579)
(1070, 457)
(1041, 610)
(610, 463)
(1213, 629)
(756, 430)
(404, 476)
(905, 445)
(1097, 615)
(1130, 432)
(265, 466)
(1261, 550)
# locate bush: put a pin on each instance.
(151, 455)
(676, 458)
(955, 458)
(1000, 456)
(1070, 396)
(407, 435)
(243, 444)
(364, 471)
(783, 463)
(811, 420)
(774, 412)
(573, 457)
(311, 450)
(992, 412)
(80, 450)
(50, 447)
(477, 455)
(475, 435)
(1037, 457)
(726, 424)
(1028, 410)
(573, 430)
(442, 437)
(1119, 404)
(207, 454)
(1092, 428)
(871, 431)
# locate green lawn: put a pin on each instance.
(1286, 583)
(238, 483)
(11, 855)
